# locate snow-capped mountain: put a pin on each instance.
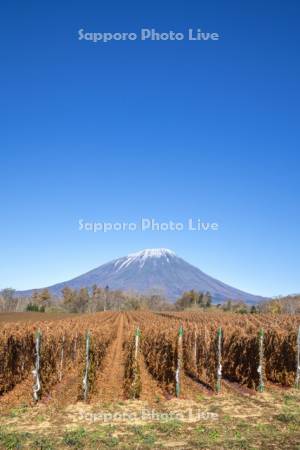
(156, 270)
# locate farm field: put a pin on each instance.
(32, 317)
(149, 380)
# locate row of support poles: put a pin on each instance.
(85, 383)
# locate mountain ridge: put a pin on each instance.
(157, 270)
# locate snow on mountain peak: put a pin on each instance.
(153, 253)
(142, 256)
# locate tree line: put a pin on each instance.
(97, 298)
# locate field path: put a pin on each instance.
(110, 381)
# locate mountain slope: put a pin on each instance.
(154, 270)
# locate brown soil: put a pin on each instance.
(32, 317)
(192, 389)
(151, 391)
(109, 383)
(66, 392)
(237, 388)
(21, 395)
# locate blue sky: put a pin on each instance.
(169, 130)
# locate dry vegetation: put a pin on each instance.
(141, 355)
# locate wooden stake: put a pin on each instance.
(85, 383)
(179, 361)
(260, 369)
(219, 360)
(36, 372)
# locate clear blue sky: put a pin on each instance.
(168, 130)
